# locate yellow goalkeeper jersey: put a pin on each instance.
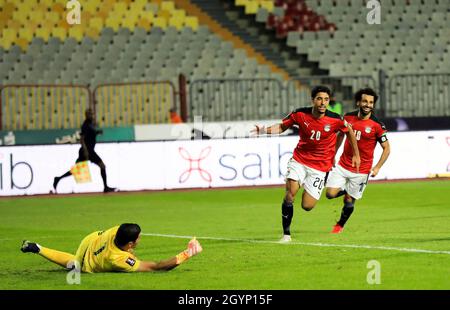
(102, 255)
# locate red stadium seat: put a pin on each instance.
(297, 17)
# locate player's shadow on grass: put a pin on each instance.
(64, 271)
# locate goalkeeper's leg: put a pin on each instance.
(61, 258)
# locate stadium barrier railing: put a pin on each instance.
(26, 107)
(247, 99)
(236, 99)
(418, 95)
(39, 107)
(125, 104)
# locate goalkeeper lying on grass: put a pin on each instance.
(111, 250)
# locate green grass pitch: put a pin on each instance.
(390, 217)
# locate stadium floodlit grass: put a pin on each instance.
(412, 215)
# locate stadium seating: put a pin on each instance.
(295, 16)
(23, 20)
(405, 29)
(112, 35)
(408, 28)
(117, 42)
(252, 6)
(136, 41)
(413, 38)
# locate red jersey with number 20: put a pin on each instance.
(317, 144)
(367, 133)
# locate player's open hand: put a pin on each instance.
(258, 130)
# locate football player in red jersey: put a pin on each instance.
(313, 156)
(344, 179)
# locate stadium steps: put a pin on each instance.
(262, 40)
(195, 10)
(265, 41)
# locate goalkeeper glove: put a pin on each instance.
(194, 248)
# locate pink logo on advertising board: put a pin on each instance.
(194, 164)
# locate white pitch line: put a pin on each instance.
(355, 246)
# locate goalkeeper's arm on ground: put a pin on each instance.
(193, 249)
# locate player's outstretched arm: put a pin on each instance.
(272, 130)
(193, 249)
(384, 156)
(165, 265)
(356, 160)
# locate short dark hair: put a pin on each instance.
(366, 91)
(320, 89)
(127, 233)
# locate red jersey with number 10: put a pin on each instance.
(367, 133)
(317, 144)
